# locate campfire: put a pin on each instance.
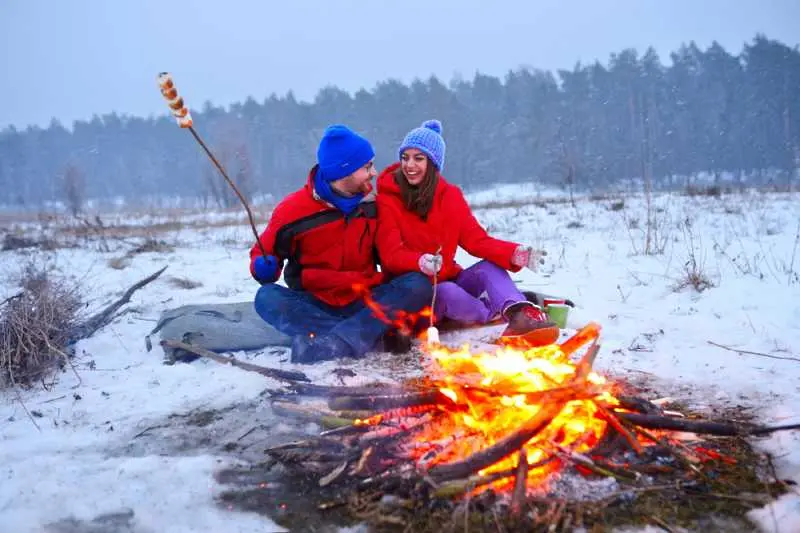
(506, 424)
(479, 408)
(510, 427)
(476, 420)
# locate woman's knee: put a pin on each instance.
(488, 269)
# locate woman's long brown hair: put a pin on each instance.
(418, 199)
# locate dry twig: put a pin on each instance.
(747, 352)
(276, 373)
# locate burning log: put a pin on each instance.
(505, 447)
(520, 483)
(375, 402)
(326, 391)
(694, 426)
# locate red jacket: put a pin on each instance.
(327, 254)
(403, 236)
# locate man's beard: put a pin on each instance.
(365, 188)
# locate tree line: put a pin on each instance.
(704, 112)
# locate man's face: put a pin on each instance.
(358, 182)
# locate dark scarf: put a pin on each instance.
(345, 204)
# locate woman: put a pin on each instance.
(423, 219)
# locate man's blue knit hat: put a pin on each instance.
(428, 140)
(341, 152)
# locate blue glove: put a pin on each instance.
(266, 268)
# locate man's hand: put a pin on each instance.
(266, 268)
(526, 256)
(430, 264)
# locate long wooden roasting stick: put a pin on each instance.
(184, 119)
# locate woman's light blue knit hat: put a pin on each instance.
(428, 140)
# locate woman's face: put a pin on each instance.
(414, 165)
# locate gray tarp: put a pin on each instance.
(229, 327)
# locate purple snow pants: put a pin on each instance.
(477, 295)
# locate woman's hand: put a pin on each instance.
(430, 264)
(526, 256)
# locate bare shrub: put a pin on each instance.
(234, 157)
(74, 186)
(694, 274)
(703, 190)
(184, 283)
(618, 205)
(35, 327)
(153, 245)
(119, 263)
(149, 245)
(647, 230)
(20, 242)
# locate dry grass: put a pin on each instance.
(35, 327)
(704, 190)
(152, 245)
(693, 277)
(119, 263)
(184, 283)
(519, 202)
(20, 242)
(694, 274)
(617, 205)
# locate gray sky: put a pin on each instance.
(70, 59)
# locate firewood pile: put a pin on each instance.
(526, 439)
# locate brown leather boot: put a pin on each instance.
(528, 326)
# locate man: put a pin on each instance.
(326, 232)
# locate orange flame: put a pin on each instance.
(402, 321)
(494, 394)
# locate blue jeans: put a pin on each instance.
(300, 313)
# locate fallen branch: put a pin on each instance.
(104, 317)
(13, 297)
(276, 373)
(719, 429)
(747, 352)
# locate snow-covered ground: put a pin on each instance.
(88, 458)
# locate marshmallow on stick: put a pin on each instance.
(174, 101)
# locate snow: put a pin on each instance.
(86, 460)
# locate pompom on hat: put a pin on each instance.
(428, 140)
